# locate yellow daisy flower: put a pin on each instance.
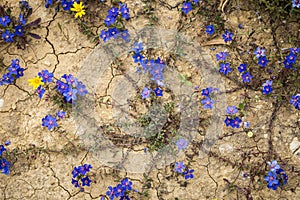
(35, 82)
(78, 8)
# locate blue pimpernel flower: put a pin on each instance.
(4, 21)
(75, 183)
(186, 7)
(207, 103)
(19, 30)
(246, 77)
(46, 76)
(181, 144)
(259, 52)
(104, 35)
(236, 122)
(124, 11)
(291, 58)
(49, 121)
(273, 166)
(207, 91)
(210, 29)
(179, 167)
(138, 47)
(295, 50)
(231, 110)
(295, 3)
(158, 92)
(40, 91)
(267, 87)
(272, 180)
(242, 67)
(295, 101)
(227, 36)
(125, 35)
(126, 184)
(263, 61)
(86, 181)
(8, 36)
(146, 93)
(60, 114)
(2, 149)
(4, 166)
(137, 58)
(188, 174)
(227, 121)
(221, 56)
(66, 4)
(70, 94)
(225, 68)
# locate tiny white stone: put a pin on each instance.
(294, 145)
(1, 103)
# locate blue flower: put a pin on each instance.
(246, 77)
(124, 11)
(126, 184)
(225, 68)
(75, 172)
(8, 36)
(125, 35)
(48, 3)
(186, 7)
(4, 21)
(2, 149)
(146, 93)
(208, 103)
(227, 36)
(66, 4)
(137, 57)
(206, 92)
(295, 101)
(259, 52)
(19, 30)
(221, 56)
(231, 110)
(40, 91)
(113, 32)
(242, 68)
(263, 61)
(46, 76)
(158, 92)
(188, 174)
(70, 94)
(4, 166)
(114, 11)
(210, 29)
(110, 20)
(181, 144)
(273, 166)
(295, 50)
(227, 121)
(296, 4)
(119, 191)
(81, 89)
(272, 180)
(267, 87)
(247, 124)
(49, 122)
(61, 86)
(61, 114)
(111, 192)
(236, 122)
(138, 47)
(287, 64)
(291, 58)
(86, 181)
(179, 167)
(75, 183)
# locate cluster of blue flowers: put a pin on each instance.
(50, 121)
(4, 164)
(261, 56)
(246, 76)
(182, 169)
(224, 66)
(114, 20)
(154, 67)
(290, 59)
(120, 190)
(9, 33)
(208, 102)
(295, 101)
(188, 6)
(65, 4)
(14, 72)
(70, 88)
(276, 176)
(80, 176)
(267, 87)
(232, 120)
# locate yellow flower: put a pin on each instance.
(35, 82)
(250, 134)
(78, 8)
